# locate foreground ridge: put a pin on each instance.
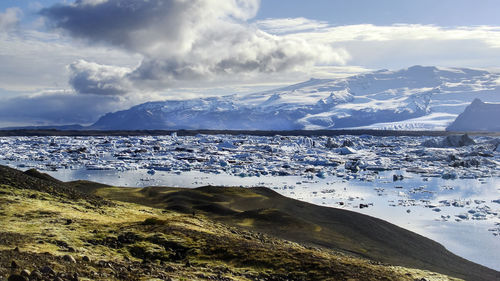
(67, 230)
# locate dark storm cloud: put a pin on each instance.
(113, 21)
(56, 108)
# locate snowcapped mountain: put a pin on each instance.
(478, 116)
(414, 98)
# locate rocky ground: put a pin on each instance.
(53, 232)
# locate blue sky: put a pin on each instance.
(95, 56)
(384, 12)
(341, 12)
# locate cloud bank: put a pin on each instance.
(55, 108)
(92, 78)
(184, 41)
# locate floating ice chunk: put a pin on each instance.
(321, 174)
(345, 150)
(450, 175)
(457, 141)
(450, 141)
(331, 144)
(227, 145)
(353, 166)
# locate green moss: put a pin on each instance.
(144, 243)
(153, 221)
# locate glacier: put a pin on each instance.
(415, 98)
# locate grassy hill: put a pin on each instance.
(56, 230)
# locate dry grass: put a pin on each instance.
(50, 226)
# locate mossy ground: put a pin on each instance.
(127, 241)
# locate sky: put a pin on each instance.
(65, 61)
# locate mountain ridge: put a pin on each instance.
(416, 98)
(361, 100)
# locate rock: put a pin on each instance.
(26, 273)
(16, 277)
(13, 264)
(48, 270)
(36, 275)
(86, 259)
(69, 258)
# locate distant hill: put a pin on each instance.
(415, 98)
(478, 117)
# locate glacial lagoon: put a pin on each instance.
(449, 194)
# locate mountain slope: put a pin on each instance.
(53, 235)
(478, 116)
(380, 97)
(265, 211)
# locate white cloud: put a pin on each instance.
(290, 25)
(32, 60)
(404, 32)
(190, 40)
(9, 19)
(97, 79)
(402, 45)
